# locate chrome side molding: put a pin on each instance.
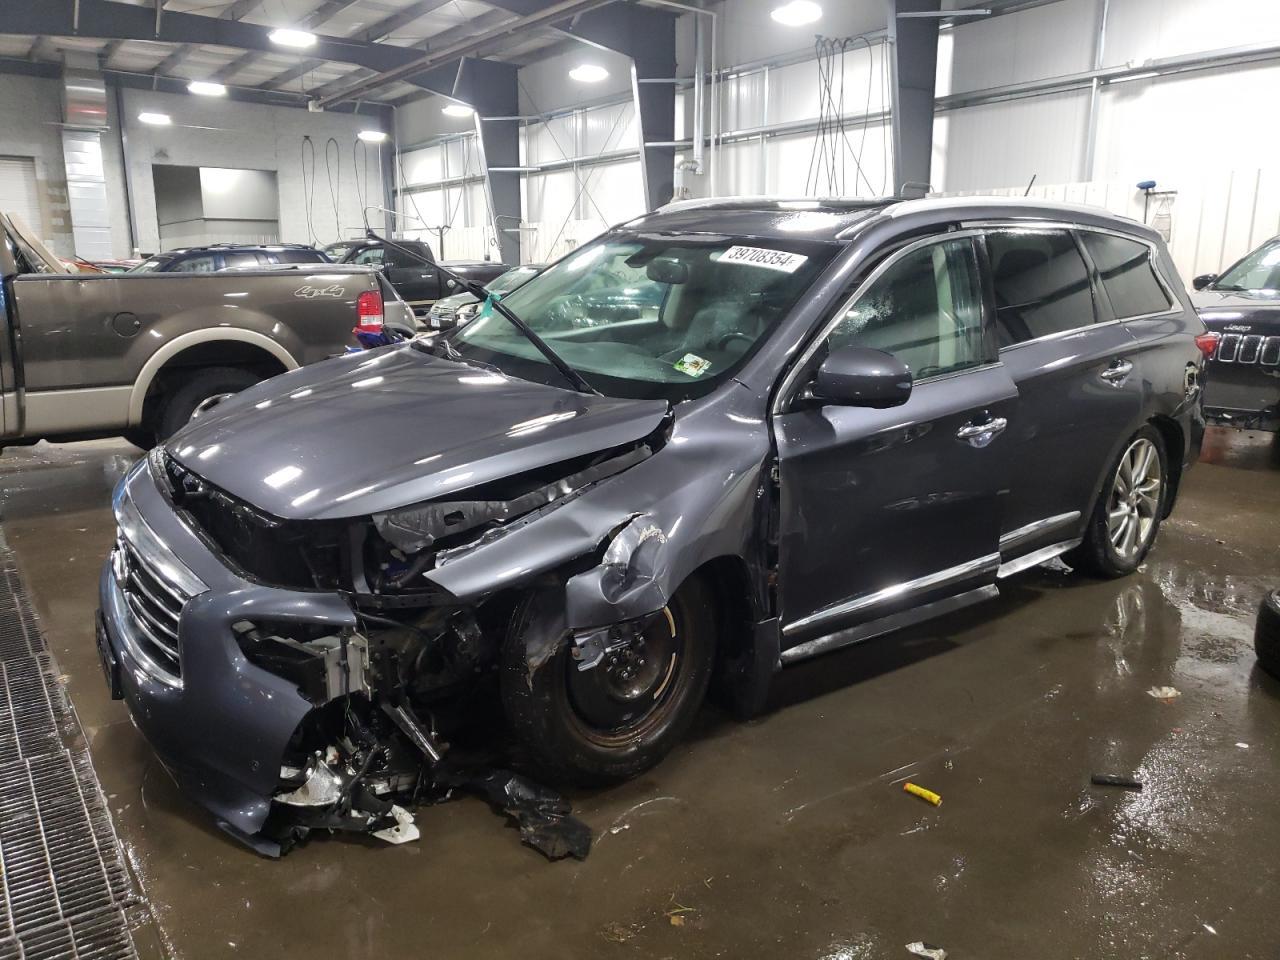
(867, 601)
(889, 624)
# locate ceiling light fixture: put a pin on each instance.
(155, 119)
(457, 110)
(797, 13)
(298, 39)
(372, 136)
(589, 73)
(207, 88)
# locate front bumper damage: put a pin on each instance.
(279, 737)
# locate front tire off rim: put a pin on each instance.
(1136, 493)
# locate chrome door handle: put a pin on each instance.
(980, 434)
(1118, 372)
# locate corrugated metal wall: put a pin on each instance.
(1206, 134)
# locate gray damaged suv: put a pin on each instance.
(821, 422)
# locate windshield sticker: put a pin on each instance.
(693, 365)
(778, 260)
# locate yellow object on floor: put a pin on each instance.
(922, 793)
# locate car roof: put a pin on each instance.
(233, 247)
(839, 219)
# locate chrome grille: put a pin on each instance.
(155, 605)
(1238, 348)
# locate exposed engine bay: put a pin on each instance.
(388, 694)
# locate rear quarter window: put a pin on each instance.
(1127, 274)
(300, 256)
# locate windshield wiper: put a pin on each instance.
(479, 292)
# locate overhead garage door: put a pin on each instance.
(18, 194)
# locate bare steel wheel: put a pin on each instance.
(1128, 509)
(614, 700)
(1137, 494)
(620, 716)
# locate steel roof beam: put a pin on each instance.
(103, 20)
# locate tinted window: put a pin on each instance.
(299, 256)
(411, 255)
(1127, 274)
(926, 310)
(371, 255)
(1041, 285)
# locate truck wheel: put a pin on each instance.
(140, 437)
(1266, 636)
(619, 718)
(1130, 505)
(206, 385)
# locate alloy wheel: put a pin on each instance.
(1136, 495)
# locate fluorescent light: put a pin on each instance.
(589, 73)
(797, 13)
(299, 39)
(155, 119)
(207, 88)
(372, 136)
(457, 110)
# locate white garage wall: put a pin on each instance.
(220, 133)
(441, 188)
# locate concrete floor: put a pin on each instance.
(791, 836)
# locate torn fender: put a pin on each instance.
(629, 581)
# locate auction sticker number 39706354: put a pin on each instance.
(779, 260)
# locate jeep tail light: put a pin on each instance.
(368, 312)
(1208, 342)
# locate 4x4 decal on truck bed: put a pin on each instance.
(309, 292)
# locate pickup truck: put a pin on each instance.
(415, 277)
(137, 355)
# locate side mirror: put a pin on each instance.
(1204, 280)
(862, 377)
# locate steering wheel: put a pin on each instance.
(723, 342)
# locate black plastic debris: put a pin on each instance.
(1114, 780)
(544, 817)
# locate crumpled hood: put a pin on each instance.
(1229, 311)
(374, 431)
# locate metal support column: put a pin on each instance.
(490, 88)
(913, 42)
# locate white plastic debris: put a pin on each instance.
(926, 950)
(405, 830)
(1164, 693)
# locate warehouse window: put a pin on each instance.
(926, 310)
(1041, 284)
(1127, 275)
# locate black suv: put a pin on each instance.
(410, 265)
(1242, 305)
(229, 256)
(811, 423)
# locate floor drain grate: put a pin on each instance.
(63, 883)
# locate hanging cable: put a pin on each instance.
(309, 188)
(360, 169)
(335, 180)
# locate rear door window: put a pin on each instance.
(1127, 273)
(207, 263)
(241, 260)
(371, 255)
(1041, 284)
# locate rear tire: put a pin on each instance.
(203, 386)
(1129, 508)
(1266, 635)
(602, 726)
